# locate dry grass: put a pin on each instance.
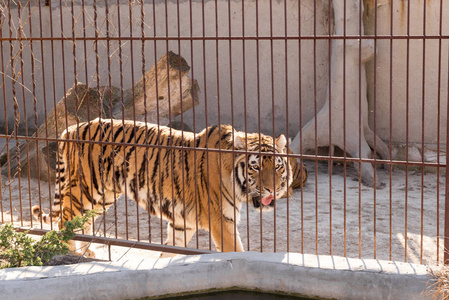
(439, 287)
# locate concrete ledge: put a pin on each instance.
(308, 275)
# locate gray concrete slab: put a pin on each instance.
(317, 276)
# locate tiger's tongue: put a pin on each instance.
(267, 200)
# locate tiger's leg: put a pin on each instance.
(179, 233)
(69, 212)
(102, 203)
(77, 201)
(230, 241)
(82, 248)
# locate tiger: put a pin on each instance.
(201, 186)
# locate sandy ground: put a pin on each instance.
(330, 215)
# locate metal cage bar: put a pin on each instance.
(262, 66)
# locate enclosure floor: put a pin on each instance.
(314, 218)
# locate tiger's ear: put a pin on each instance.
(239, 141)
(281, 142)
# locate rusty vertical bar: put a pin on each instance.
(169, 150)
(286, 117)
(300, 121)
(142, 51)
(331, 148)
(25, 115)
(344, 132)
(101, 112)
(55, 112)
(258, 109)
(245, 114)
(183, 152)
(273, 119)
(62, 35)
(91, 164)
(109, 83)
(205, 116)
(391, 135)
(360, 130)
(232, 114)
(194, 124)
(120, 56)
(6, 122)
(131, 44)
(219, 117)
(77, 101)
(440, 31)
(423, 95)
(33, 79)
(315, 110)
(375, 134)
(14, 77)
(157, 113)
(407, 109)
(446, 192)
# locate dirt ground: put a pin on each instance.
(331, 215)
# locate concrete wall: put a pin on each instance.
(267, 74)
(417, 73)
(323, 277)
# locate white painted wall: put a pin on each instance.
(286, 69)
(423, 86)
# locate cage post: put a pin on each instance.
(446, 199)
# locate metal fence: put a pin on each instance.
(341, 79)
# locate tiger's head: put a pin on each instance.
(262, 176)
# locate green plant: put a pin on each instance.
(17, 249)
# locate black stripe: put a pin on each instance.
(86, 129)
(227, 195)
(229, 201)
(109, 164)
(176, 183)
(117, 175)
(167, 162)
(131, 134)
(86, 192)
(197, 141)
(133, 188)
(117, 133)
(166, 209)
(155, 166)
(96, 133)
(228, 219)
(186, 165)
(142, 170)
(211, 130)
(104, 136)
(240, 183)
(176, 228)
(94, 175)
(226, 136)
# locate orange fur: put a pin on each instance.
(181, 185)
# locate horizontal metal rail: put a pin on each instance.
(297, 156)
(121, 242)
(232, 38)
